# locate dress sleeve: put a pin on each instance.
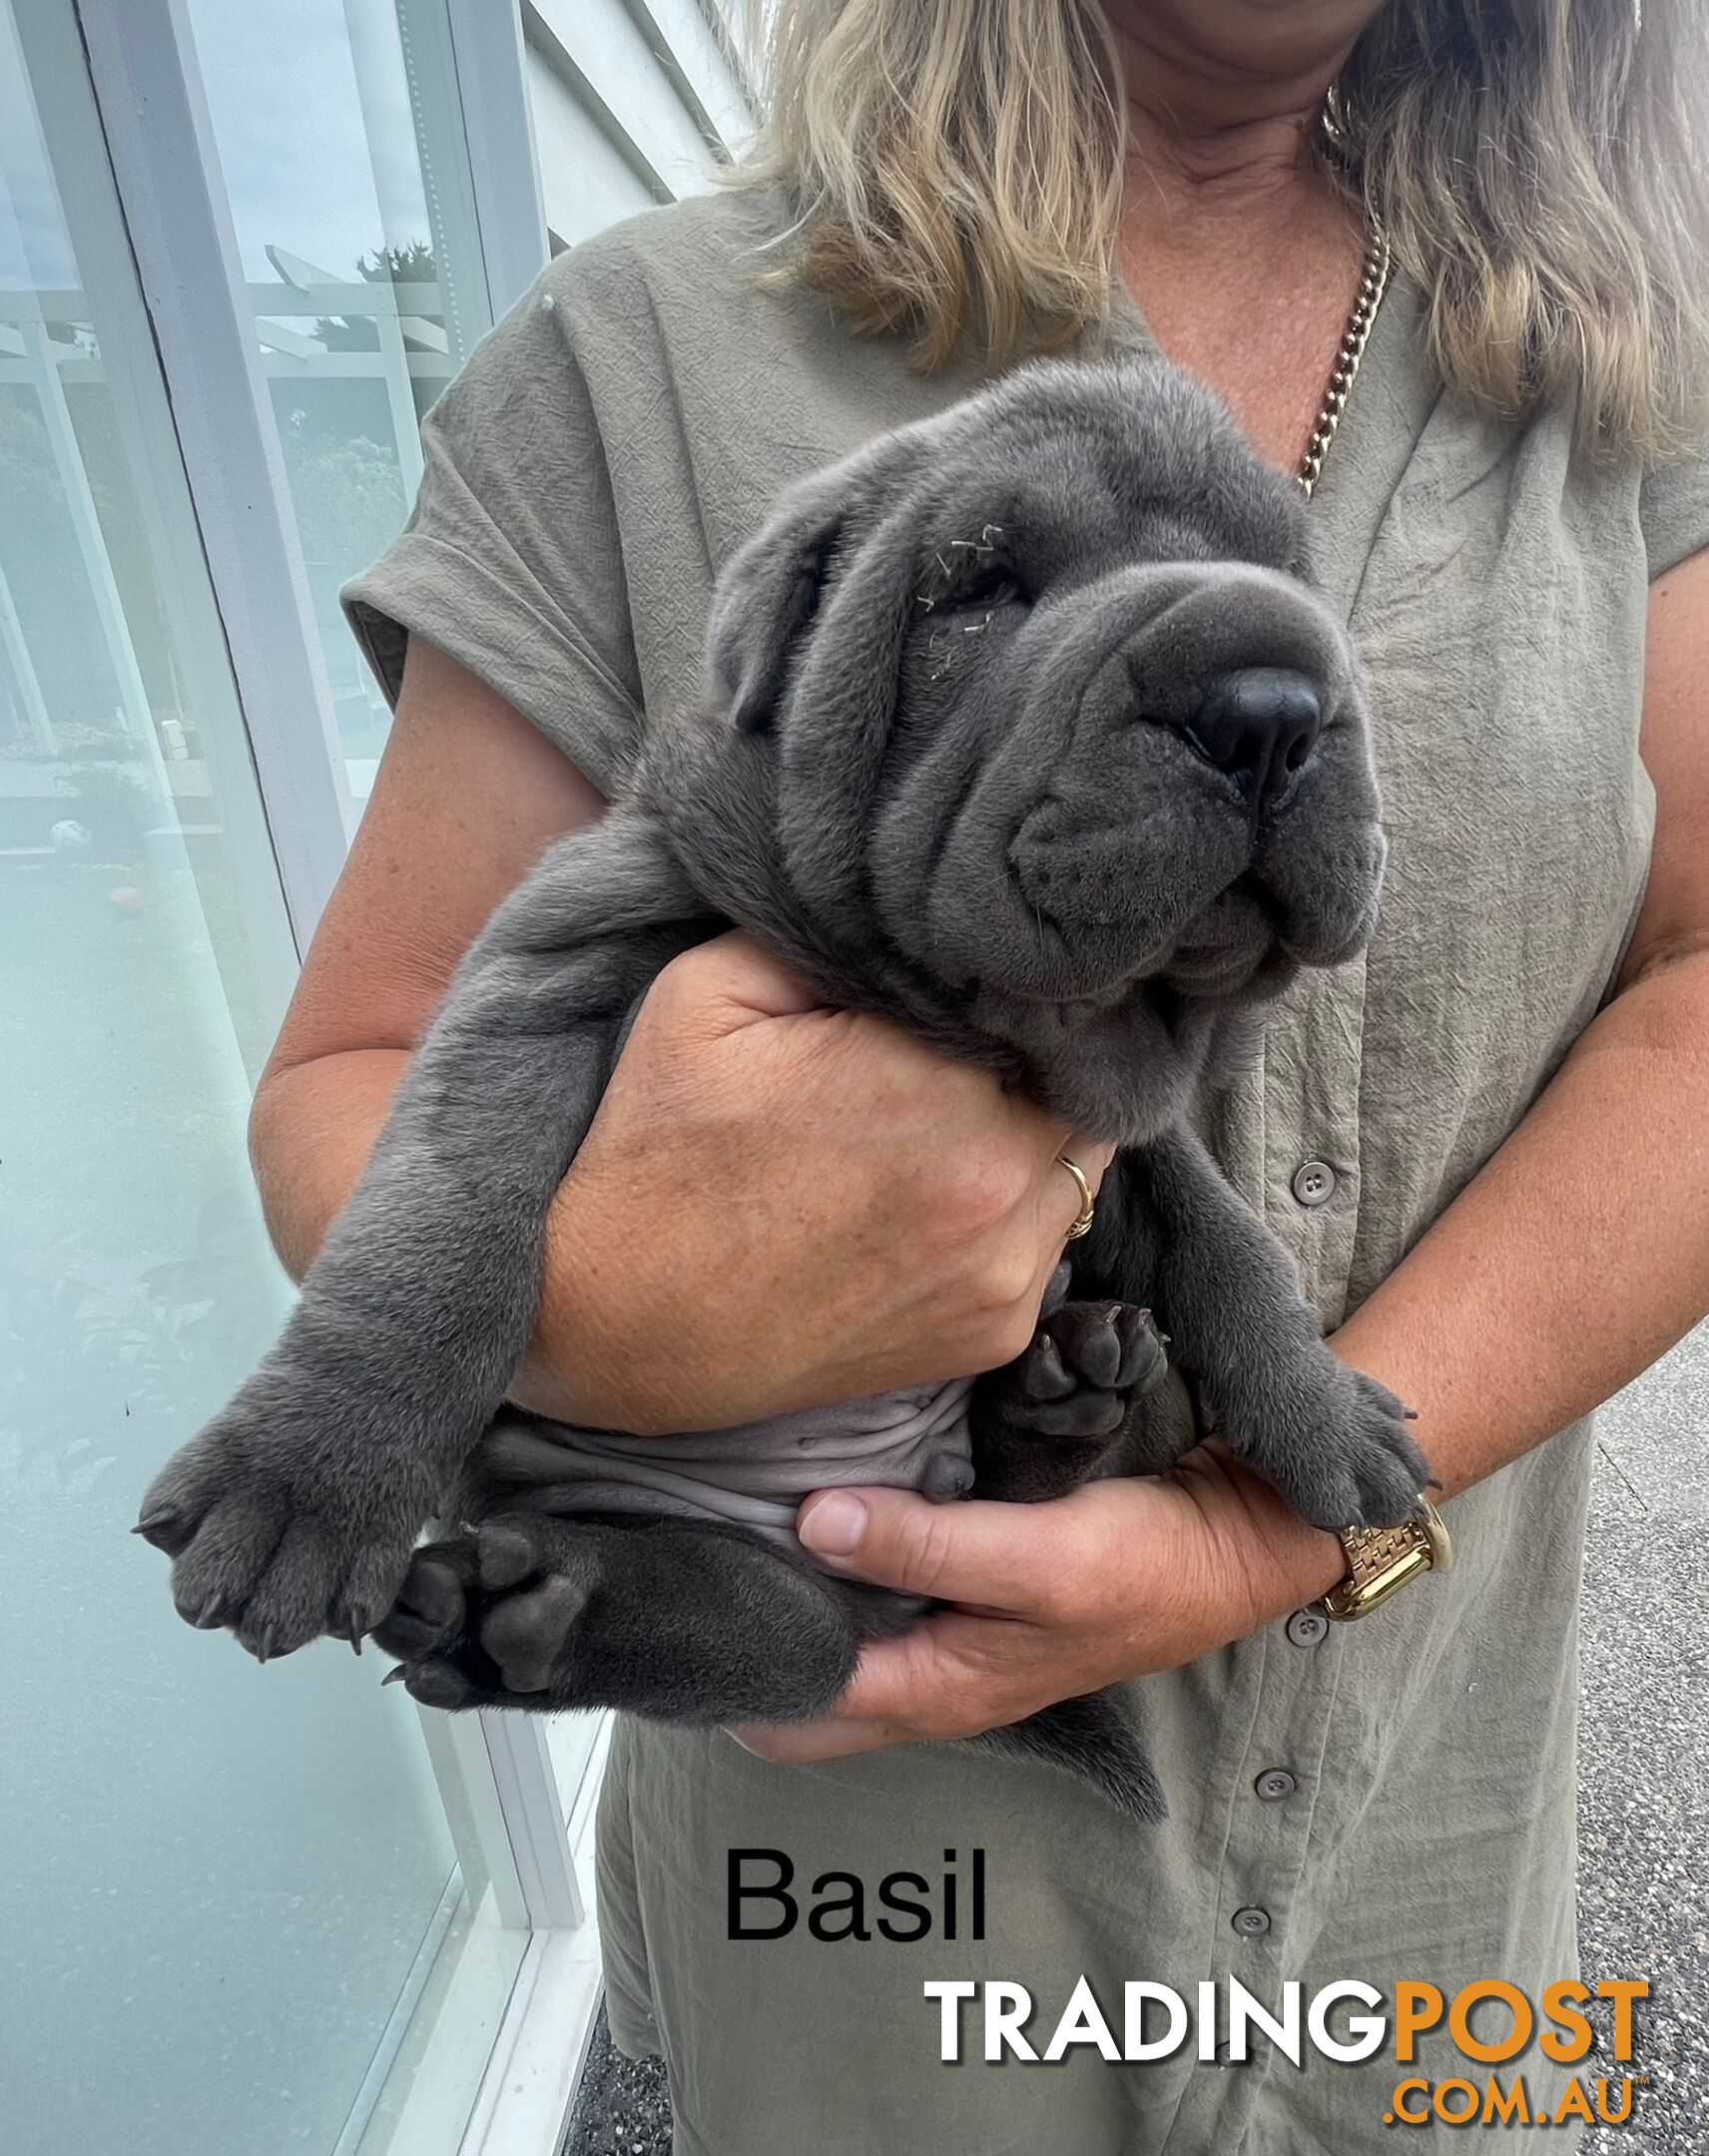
(511, 560)
(1673, 511)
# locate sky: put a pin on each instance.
(310, 116)
(33, 246)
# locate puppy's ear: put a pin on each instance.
(766, 597)
(770, 588)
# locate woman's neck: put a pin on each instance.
(1241, 253)
(1221, 107)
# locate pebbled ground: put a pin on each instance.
(1643, 1776)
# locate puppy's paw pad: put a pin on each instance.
(1090, 1346)
(528, 1633)
(1110, 1346)
(1043, 1374)
(431, 1609)
(1087, 1361)
(948, 1476)
(506, 1551)
(1144, 1354)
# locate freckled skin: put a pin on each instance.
(976, 752)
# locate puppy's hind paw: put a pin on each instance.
(1053, 1417)
(492, 1617)
(431, 1609)
(528, 1632)
(1086, 1363)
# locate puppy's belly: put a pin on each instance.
(754, 1475)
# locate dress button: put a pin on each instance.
(1314, 1182)
(1307, 1627)
(1251, 1923)
(1274, 1783)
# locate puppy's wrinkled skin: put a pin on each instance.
(1025, 727)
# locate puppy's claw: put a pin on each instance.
(438, 1684)
(1045, 1377)
(1144, 1363)
(396, 1673)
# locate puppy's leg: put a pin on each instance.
(671, 1619)
(1058, 1414)
(1332, 1441)
(686, 1624)
(295, 1510)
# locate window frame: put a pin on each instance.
(131, 100)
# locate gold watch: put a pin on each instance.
(1380, 1561)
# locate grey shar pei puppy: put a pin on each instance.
(1025, 727)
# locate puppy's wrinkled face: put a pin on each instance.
(1055, 713)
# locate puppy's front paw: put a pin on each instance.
(265, 1540)
(1338, 1449)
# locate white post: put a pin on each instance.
(92, 547)
(142, 59)
(24, 673)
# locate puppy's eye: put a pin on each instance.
(992, 586)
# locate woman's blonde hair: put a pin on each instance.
(1540, 166)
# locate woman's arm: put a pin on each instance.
(1576, 1256)
(468, 798)
(1581, 1253)
(745, 1133)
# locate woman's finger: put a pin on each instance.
(737, 982)
(952, 1675)
(800, 1744)
(998, 1556)
(927, 1684)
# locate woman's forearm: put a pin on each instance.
(1576, 1256)
(312, 1130)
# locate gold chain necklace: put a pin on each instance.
(1373, 283)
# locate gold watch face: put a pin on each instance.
(1382, 1560)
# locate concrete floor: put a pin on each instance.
(1644, 1781)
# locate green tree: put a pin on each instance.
(411, 263)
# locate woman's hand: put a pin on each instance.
(1049, 1601)
(779, 1206)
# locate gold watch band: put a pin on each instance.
(1382, 1560)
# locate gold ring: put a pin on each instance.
(1083, 1220)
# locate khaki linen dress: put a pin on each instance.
(1385, 1801)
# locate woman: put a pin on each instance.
(1484, 1144)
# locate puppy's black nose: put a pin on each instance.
(1259, 724)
